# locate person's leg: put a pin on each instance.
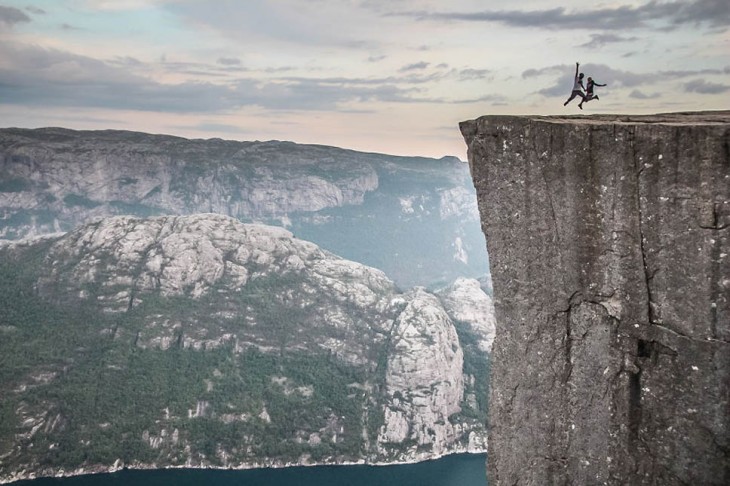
(573, 95)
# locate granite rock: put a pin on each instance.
(608, 240)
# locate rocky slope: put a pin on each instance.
(414, 218)
(203, 341)
(609, 241)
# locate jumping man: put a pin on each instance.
(577, 87)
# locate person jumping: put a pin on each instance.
(589, 92)
(577, 88)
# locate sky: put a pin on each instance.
(388, 76)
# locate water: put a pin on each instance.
(455, 470)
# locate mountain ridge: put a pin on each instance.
(362, 206)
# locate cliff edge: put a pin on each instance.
(608, 240)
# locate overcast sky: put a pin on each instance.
(393, 76)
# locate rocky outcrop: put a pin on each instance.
(608, 240)
(421, 399)
(206, 342)
(120, 262)
(467, 303)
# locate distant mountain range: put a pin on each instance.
(414, 218)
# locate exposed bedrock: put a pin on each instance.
(608, 240)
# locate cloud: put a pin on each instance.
(673, 13)
(324, 94)
(314, 24)
(35, 10)
(223, 67)
(684, 73)
(417, 66)
(533, 73)
(127, 61)
(640, 95)
(229, 61)
(703, 87)
(411, 79)
(600, 40)
(495, 99)
(470, 74)
(12, 16)
(715, 12)
(49, 77)
(121, 5)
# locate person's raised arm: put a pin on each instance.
(576, 69)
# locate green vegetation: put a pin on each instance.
(15, 184)
(81, 386)
(71, 365)
(136, 209)
(13, 225)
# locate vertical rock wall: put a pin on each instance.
(608, 239)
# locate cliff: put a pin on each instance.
(608, 239)
(200, 341)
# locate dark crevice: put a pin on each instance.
(568, 369)
(575, 299)
(130, 305)
(647, 276)
(644, 349)
(634, 411)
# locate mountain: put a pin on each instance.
(206, 342)
(414, 218)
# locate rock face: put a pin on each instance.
(422, 398)
(376, 209)
(466, 302)
(74, 176)
(206, 342)
(609, 239)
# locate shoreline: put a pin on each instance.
(116, 467)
